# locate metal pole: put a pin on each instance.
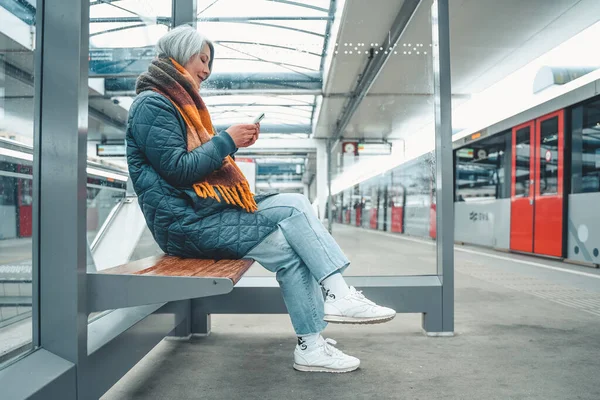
(37, 168)
(61, 137)
(184, 12)
(440, 25)
(329, 196)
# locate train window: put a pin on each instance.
(482, 170)
(549, 156)
(585, 158)
(523, 159)
(7, 191)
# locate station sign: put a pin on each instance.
(120, 61)
(374, 149)
(111, 150)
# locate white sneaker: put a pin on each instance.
(355, 308)
(324, 358)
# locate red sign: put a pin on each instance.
(350, 148)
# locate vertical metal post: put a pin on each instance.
(35, 237)
(184, 12)
(440, 26)
(329, 196)
(322, 162)
(61, 139)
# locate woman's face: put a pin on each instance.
(197, 66)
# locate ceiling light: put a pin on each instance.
(16, 154)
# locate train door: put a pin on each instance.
(536, 222)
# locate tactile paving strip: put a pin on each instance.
(571, 297)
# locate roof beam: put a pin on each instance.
(184, 12)
(275, 128)
(252, 84)
(375, 66)
(167, 20)
(281, 147)
(294, 3)
(267, 45)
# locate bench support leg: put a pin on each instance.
(433, 325)
(200, 323)
(183, 331)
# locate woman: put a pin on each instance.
(198, 204)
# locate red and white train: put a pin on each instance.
(529, 183)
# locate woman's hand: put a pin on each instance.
(244, 135)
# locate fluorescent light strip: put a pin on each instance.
(92, 171)
(16, 154)
(106, 174)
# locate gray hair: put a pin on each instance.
(182, 43)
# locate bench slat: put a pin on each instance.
(133, 267)
(233, 269)
(175, 266)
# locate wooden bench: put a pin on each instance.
(161, 279)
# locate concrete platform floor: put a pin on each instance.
(526, 328)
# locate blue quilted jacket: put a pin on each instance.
(163, 171)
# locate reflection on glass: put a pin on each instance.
(401, 200)
(102, 197)
(16, 138)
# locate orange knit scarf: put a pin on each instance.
(167, 77)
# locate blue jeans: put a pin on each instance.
(302, 253)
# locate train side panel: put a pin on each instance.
(583, 228)
(483, 223)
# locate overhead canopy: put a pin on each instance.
(269, 55)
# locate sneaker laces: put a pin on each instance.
(329, 349)
(358, 294)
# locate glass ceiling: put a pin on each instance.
(262, 46)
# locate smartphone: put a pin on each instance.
(259, 118)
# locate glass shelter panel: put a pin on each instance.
(123, 36)
(392, 141)
(17, 79)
